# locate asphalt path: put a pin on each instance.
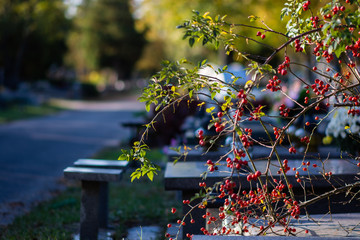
(33, 153)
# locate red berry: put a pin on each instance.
(173, 210)
(263, 36)
(220, 114)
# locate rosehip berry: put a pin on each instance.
(263, 36)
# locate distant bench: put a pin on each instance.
(94, 175)
(185, 177)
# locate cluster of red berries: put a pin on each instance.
(254, 115)
(354, 48)
(246, 142)
(315, 21)
(211, 166)
(218, 126)
(328, 57)
(277, 132)
(285, 166)
(283, 66)
(327, 16)
(336, 9)
(239, 152)
(353, 111)
(241, 95)
(297, 46)
(318, 49)
(260, 34)
(253, 176)
(202, 184)
(305, 139)
(238, 114)
(292, 150)
(306, 5)
(294, 209)
(236, 163)
(319, 87)
(201, 137)
(228, 186)
(284, 111)
(354, 99)
(274, 84)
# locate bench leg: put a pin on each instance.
(103, 204)
(89, 213)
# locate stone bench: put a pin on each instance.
(94, 174)
(185, 177)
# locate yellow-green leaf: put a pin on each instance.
(209, 110)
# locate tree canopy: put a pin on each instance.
(32, 38)
(106, 40)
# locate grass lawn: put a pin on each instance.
(25, 111)
(139, 203)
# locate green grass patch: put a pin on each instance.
(139, 203)
(17, 112)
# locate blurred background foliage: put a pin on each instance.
(101, 42)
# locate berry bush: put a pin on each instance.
(328, 35)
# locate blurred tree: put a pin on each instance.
(105, 37)
(153, 13)
(32, 38)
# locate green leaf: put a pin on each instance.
(191, 41)
(150, 175)
(147, 106)
(191, 93)
(253, 18)
(209, 110)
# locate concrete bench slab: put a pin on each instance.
(186, 175)
(93, 174)
(101, 163)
